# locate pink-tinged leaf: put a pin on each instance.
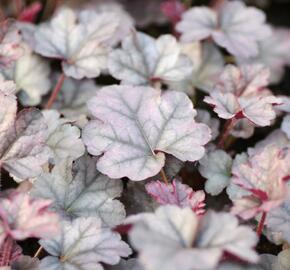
(234, 26)
(23, 217)
(175, 238)
(173, 9)
(241, 93)
(178, 194)
(136, 126)
(30, 13)
(78, 39)
(10, 43)
(263, 175)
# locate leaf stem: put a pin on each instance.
(261, 224)
(216, 4)
(226, 131)
(164, 178)
(38, 252)
(18, 5)
(55, 91)
(6, 251)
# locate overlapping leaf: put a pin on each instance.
(22, 147)
(207, 65)
(10, 43)
(78, 40)
(135, 126)
(83, 244)
(234, 26)
(73, 97)
(174, 238)
(216, 168)
(143, 60)
(63, 138)
(31, 76)
(80, 190)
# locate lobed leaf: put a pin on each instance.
(135, 126)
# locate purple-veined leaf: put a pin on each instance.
(78, 40)
(234, 26)
(79, 190)
(178, 194)
(31, 76)
(83, 244)
(264, 175)
(136, 126)
(23, 217)
(143, 60)
(63, 138)
(216, 168)
(175, 238)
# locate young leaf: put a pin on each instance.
(80, 190)
(23, 217)
(241, 93)
(22, 147)
(178, 194)
(78, 40)
(31, 76)
(234, 26)
(83, 244)
(63, 138)
(10, 43)
(264, 175)
(216, 168)
(135, 126)
(143, 60)
(173, 238)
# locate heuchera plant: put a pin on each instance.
(143, 135)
